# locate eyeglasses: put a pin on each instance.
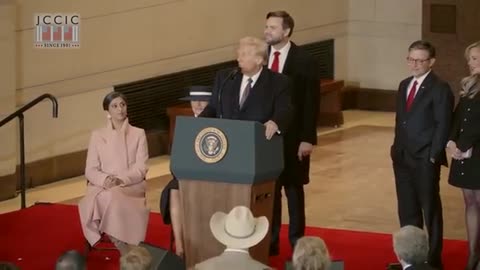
(416, 61)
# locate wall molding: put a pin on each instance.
(57, 168)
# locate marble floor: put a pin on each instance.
(352, 185)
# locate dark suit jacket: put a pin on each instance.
(422, 132)
(269, 99)
(302, 69)
(466, 134)
(465, 129)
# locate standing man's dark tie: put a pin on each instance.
(411, 95)
(248, 87)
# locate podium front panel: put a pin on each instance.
(232, 151)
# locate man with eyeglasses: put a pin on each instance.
(423, 116)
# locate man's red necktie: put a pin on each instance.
(276, 62)
(411, 95)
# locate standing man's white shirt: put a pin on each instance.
(282, 57)
(419, 82)
(245, 81)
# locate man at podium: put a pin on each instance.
(255, 93)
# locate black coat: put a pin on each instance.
(302, 69)
(422, 133)
(269, 99)
(466, 134)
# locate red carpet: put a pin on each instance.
(34, 237)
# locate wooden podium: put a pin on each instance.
(221, 164)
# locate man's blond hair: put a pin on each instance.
(259, 46)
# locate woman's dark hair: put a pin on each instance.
(111, 96)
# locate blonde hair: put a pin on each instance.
(470, 84)
(259, 46)
(311, 253)
(138, 258)
(469, 47)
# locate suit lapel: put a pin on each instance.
(237, 83)
(288, 67)
(403, 94)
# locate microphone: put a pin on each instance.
(230, 76)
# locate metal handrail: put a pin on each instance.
(19, 113)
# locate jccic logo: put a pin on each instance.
(57, 31)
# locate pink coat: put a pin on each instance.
(119, 211)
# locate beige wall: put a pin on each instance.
(379, 33)
(123, 41)
(7, 85)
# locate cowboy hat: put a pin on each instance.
(238, 229)
(198, 93)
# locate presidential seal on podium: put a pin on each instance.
(211, 145)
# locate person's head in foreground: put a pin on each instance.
(410, 244)
(138, 258)
(310, 253)
(238, 229)
(71, 260)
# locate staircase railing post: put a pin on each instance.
(22, 160)
(19, 114)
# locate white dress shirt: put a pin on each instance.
(419, 83)
(245, 82)
(282, 57)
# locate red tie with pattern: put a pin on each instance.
(411, 95)
(276, 62)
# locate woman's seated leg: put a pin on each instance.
(176, 217)
(122, 216)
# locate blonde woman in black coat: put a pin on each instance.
(464, 145)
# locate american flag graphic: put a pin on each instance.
(46, 33)
(57, 33)
(67, 33)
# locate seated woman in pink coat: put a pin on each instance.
(115, 203)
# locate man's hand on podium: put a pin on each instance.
(271, 129)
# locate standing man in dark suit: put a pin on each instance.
(256, 94)
(423, 116)
(287, 58)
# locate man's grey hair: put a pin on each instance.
(71, 260)
(411, 245)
